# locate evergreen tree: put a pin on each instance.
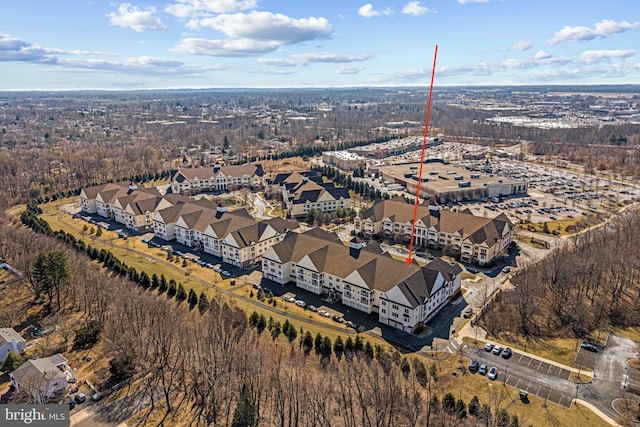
(358, 345)
(317, 343)
(145, 281)
(181, 295)
(307, 342)
(11, 362)
(203, 303)
(349, 345)
(154, 281)
(338, 345)
(246, 413)
(192, 299)
(173, 288)
(262, 323)
(474, 407)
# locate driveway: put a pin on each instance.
(609, 366)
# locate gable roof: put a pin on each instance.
(190, 174)
(9, 334)
(38, 371)
(475, 228)
(379, 271)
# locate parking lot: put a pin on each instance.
(541, 367)
(520, 371)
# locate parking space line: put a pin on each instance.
(518, 382)
(529, 362)
(549, 370)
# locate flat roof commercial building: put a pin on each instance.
(450, 183)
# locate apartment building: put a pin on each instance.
(361, 277)
(233, 236)
(304, 191)
(218, 178)
(126, 203)
(474, 239)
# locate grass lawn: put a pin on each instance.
(468, 276)
(631, 333)
(537, 243)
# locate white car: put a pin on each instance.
(301, 303)
(226, 273)
(289, 298)
(324, 313)
(493, 373)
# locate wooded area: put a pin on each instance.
(591, 282)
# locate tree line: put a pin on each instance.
(590, 282)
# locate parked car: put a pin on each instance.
(80, 398)
(467, 313)
(493, 373)
(71, 402)
(256, 286)
(497, 350)
(324, 313)
(474, 366)
(301, 303)
(226, 273)
(488, 347)
(289, 298)
(96, 396)
(337, 318)
(506, 353)
(73, 390)
(483, 369)
(350, 324)
(312, 308)
(589, 347)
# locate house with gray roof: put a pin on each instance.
(10, 340)
(44, 380)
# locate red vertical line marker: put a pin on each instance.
(424, 146)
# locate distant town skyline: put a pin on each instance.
(176, 44)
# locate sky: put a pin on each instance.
(173, 44)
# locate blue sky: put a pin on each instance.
(148, 44)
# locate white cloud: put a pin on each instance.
(18, 50)
(595, 56)
(329, 57)
(196, 8)
(129, 16)
(230, 48)
(349, 70)
(277, 62)
(367, 11)
(603, 28)
(472, 1)
(302, 59)
(267, 26)
(541, 54)
(253, 33)
(414, 8)
(520, 46)
(131, 65)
